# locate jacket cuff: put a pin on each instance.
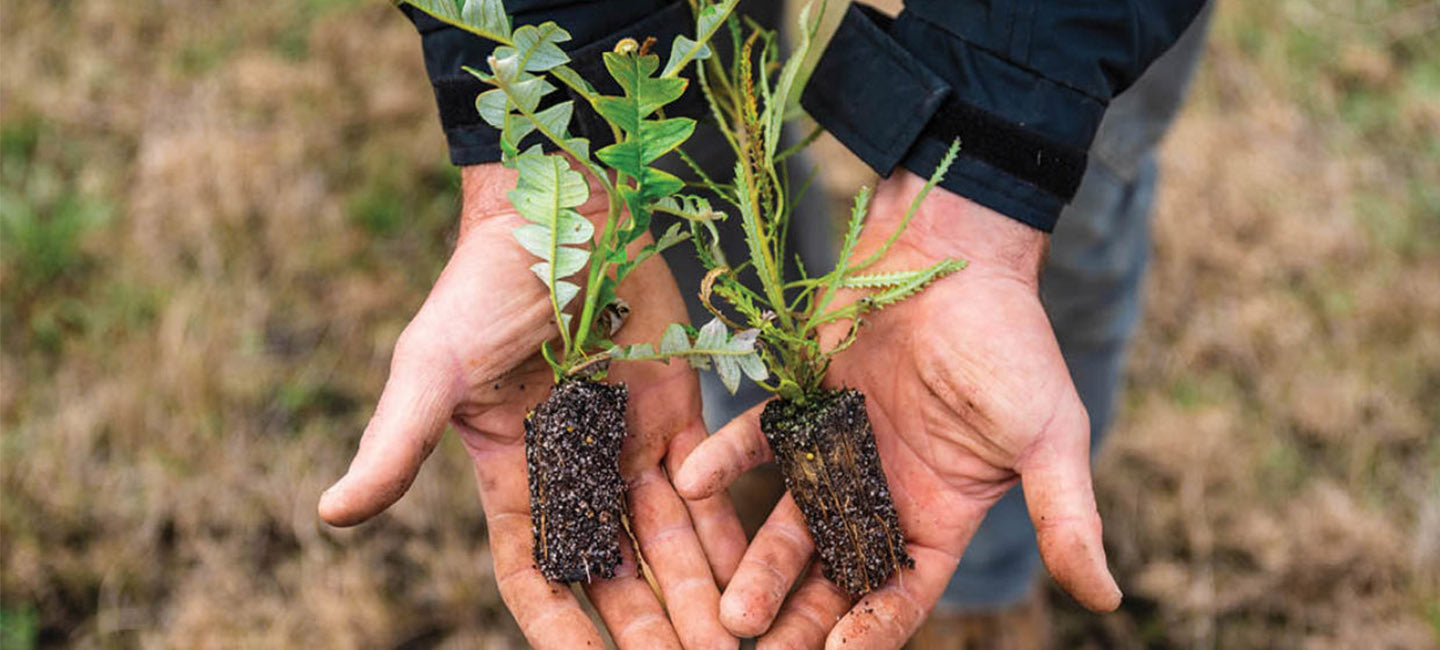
(470, 140)
(1022, 136)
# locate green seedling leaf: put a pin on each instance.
(780, 104)
(916, 281)
(486, 18)
(536, 47)
(683, 50)
(672, 236)
(882, 280)
(675, 341)
(730, 355)
(546, 194)
(707, 22)
(645, 140)
(688, 207)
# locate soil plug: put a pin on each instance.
(573, 439)
(821, 437)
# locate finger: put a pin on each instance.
(776, 557)
(720, 459)
(662, 526)
(629, 609)
(547, 612)
(808, 614)
(716, 523)
(414, 408)
(1055, 475)
(886, 617)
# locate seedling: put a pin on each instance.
(821, 437)
(573, 438)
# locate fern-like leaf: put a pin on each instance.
(713, 346)
(546, 195)
(645, 139)
(912, 284)
(485, 18)
(685, 49)
(882, 280)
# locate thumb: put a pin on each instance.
(417, 402)
(721, 458)
(1055, 475)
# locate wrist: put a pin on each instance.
(485, 200)
(482, 195)
(948, 225)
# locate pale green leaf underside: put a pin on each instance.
(685, 49)
(731, 356)
(484, 17)
(546, 194)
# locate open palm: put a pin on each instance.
(968, 393)
(469, 359)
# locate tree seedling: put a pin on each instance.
(821, 437)
(573, 438)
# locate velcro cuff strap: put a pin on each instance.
(456, 98)
(1009, 147)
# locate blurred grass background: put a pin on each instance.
(216, 217)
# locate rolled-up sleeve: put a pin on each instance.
(1022, 85)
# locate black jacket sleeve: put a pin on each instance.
(594, 26)
(1022, 84)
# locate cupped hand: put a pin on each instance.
(968, 394)
(469, 359)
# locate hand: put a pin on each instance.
(968, 394)
(469, 358)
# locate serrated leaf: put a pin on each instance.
(524, 90)
(653, 139)
(688, 207)
(565, 292)
(753, 367)
(546, 192)
(712, 336)
(643, 93)
(538, 46)
(683, 50)
(919, 281)
(555, 119)
(484, 17)
(644, 139)
(880, 280)
(492, 106)
(571, 78)
(710, 18)
(729, 371)
(674, 341)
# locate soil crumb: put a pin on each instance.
(577, 497)
(826, 451)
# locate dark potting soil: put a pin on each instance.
(826, 450)
(577, 498)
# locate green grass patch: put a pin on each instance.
(19, 628)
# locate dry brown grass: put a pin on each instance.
(219, 215)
